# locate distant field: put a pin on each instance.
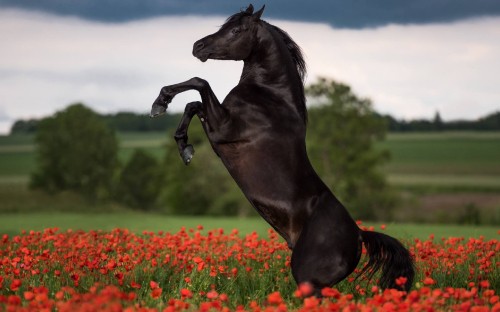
(448, 153)
(448, 160)
(453, 160)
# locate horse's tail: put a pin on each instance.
(389, 255)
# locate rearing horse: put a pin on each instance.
(259, 132)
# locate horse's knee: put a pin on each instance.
(198, 83)
(192, 108)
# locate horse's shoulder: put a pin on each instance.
(263, 103)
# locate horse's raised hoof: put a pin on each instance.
(187, 154)
(157, 110)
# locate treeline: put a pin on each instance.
(489, 122)
(122, 122)
(133, 122)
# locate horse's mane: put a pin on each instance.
(293, 48)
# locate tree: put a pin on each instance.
(139, 184)
(75, 151)
(438, 122)
(24, 126)
(341, 134)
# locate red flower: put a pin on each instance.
(186, 293)
(484, 284)
(224, 297)
(304, 290)
(156, 293)
(29, 295)
(111, 264)
(401, 281)
(429, 281)
(311, 303)
(15, 284)
(274, 298)
(212, 294)
(154, 285)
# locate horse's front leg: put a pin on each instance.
(181, 134)
(215, 113)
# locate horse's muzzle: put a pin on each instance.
(198, 50)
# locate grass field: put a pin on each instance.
(463, 159)
(138, 222)
(427, 168)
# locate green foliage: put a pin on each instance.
(75, 151)
(122, 121)
(203, 187)
(341, 136)
(139, 183)
(128, 121)
(24, 126)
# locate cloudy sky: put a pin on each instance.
(411, 58)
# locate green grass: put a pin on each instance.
(16, 163)
(447, 182)
(16, 140)
(448, 153)
(135, 221)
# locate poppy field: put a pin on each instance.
(213, 270)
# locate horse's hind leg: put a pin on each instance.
(186, 150)
(328, 249)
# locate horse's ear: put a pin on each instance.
(258, 14)
(249, 10)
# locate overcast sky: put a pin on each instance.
(411, 60)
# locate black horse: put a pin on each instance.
(259, 134)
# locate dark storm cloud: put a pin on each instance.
(338, 13)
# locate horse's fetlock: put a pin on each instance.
(180, 136)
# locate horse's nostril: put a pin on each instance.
(199, 45)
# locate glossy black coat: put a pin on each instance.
(258, 132)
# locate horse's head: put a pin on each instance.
(233, 41)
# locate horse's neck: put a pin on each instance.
(271, 66)
(270, 63)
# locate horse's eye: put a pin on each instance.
(235, 31)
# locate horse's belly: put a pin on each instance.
(271, 182)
